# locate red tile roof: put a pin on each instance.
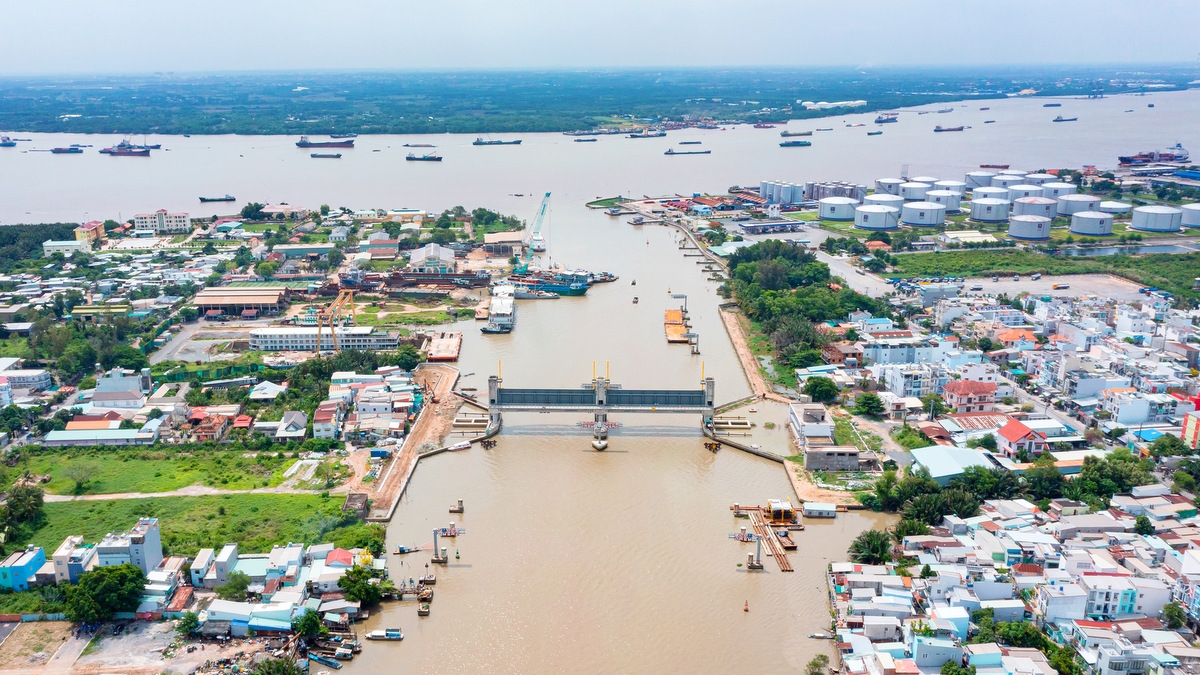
(340, 556)
(1014, 431)
(969, 388)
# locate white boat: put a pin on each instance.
(386, 634)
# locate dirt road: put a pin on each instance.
(189, 491)
(733, 319)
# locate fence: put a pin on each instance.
(15, 618)
(211, 374)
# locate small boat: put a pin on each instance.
(989, 121)
(795, 144)
(945, 110)
(480, 141)
(426, 595)
(326, 155)
(764, 125)
(1060, 118)
(993, 166)
(985, 108)
(753, 410)
(825, 129)
(1130, 110)
(343, 135)
(423, 158)
(401, 550)
(671, 151)
(226, 198)
(939, 128)
(324, 660)
(874, 133)
(419, 145)
(67, 151)
(1149, 105)
(428, 579)
(787, 134)
(343, 654)
(633, 283)
(822, 636)
(691, 143)
(1051, 105)
(6, 142)
(635, 299)
(586, 140)
(386, 634)
(81, 145)
(853, 126)
(423, 610)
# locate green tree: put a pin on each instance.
(88, 382)
(871, 547)
(819, 665)
(284, 666)
(188, 623)
(266, 268)
(23, 504)
(1143, 525)
(1020, 634)
(308, 624)
(927, 508)
(1168, 445)
(820, 389)
(1174, 615)
(253, 211)
(868, 404)
(357, 583)
(189, 314)
(105, 591)
(934, 404)
(235, 586)
(81, 473)
(908, 528)
(985, 344)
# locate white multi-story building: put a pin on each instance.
(161, 222)
(141, 546)
(304, 339)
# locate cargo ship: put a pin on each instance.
(886, 118)
(226, 198)
(325, 155)
(874, 133)
(305, 143)
(1051, 105)
(649, 134)
(585, 140)
(400, 279)
(67, 151)
(691, 142)
(1176, 153)
(795, 144)
(419, 145)
(423, 158)
(480, 141)
(537, 283)
(671, 151)
(939, 128)
(945, 110)
(124, 149)
(764, 125)
(789, 134)
(1060, 118)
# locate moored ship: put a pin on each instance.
(126, 149)
(67, 151)
(1060, 118)
(480, 141)
(423, 158)
(764, 125)
(795, 144)
(305, 143)
(886, 118)
(1176, 153)
(939, 128)
(648, 134)
(671, 151)
(788, 134)
(226, 198)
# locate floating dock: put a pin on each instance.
(770, 539)
(674, 326)
(445, 346)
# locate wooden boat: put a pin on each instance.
(325, 661)
(386, 634)
(428, 579)
(426, 595)
(401, 550)
(423, 610)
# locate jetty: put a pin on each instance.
(770, 540)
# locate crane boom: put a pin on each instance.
(536, 242)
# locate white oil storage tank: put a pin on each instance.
(1024, 190)
(894, 201)
(952, 185)
(1056, 190)
(923, 179)
(1157, 219)
(927, 214)
(913, 191)
(1116, 207)
(976, 179)
(1039, 178)
(1006, 181)
(875, 217)
(990, 193)
(1029, 227)
(1191, 215)
(948, 198)
(989, 210)
(1068, 204)
(1035, 206)
(1091, 223)
(1012, 172)
(889, 185)
(836, 208)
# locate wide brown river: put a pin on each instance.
(577, 561)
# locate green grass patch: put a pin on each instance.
(255, 521)
(806, 216)
(604, 203)
(37, 601)
(151, 469)
(93, 645)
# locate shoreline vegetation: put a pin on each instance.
(502, 101)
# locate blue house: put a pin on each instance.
(19, 567)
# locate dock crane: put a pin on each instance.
(536, 242)
(330, 315)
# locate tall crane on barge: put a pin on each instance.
(536, 242)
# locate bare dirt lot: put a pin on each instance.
(32, 644)
(140, 650)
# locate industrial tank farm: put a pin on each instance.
(1091, 223)
(894, 201)
(875, 217)
(1029, 227)
(1191, 215)
(1157, 219)
(1039, 178)
(1007, 181)
(1056, 190)
(923, 214)
(989, 210)
(1116, 207)
(1035, 206)
(914, 191)
(836, 208)
(1024, 190)
(990, 193)
(950, 199)
(951, 185)
(1073, 203)
(978, 179)
(890, 186)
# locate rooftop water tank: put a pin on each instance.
(1157, 219)
(1091, 223)
(952, 185)
(888, 185)
(1035, 206)
(988, 210)
(1056, 190)
(1007, 181)
(1029, 227)
(894, 201)
(1191, 215)
(1039, 178)
(976, 179)
(1115, 207)
(948, 198)
(926, 214)
(875, 217)
(913, 191)
(1068, 204)
(836, 208)
(1024, 190)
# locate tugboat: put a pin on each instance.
(1060, 118)
(423, 158)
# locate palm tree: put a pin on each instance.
(872, 547)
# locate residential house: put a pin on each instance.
(141, 546)
(967, 396)
(211, 428)
(842, 352)
(72, 558)
(831, 458)
(19, 567)
(293, 426)
(1014, 438)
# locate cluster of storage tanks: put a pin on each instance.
(780, 192)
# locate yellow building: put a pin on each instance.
(92, 232)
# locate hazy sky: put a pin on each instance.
(89, 36)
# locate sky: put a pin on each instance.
(144, 36)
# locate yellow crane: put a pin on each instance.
(330, 315)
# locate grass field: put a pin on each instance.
(158, 469)
(255, 521)
(604, 203)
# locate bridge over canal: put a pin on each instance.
(600, 397)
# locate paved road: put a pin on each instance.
(1041, 406)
